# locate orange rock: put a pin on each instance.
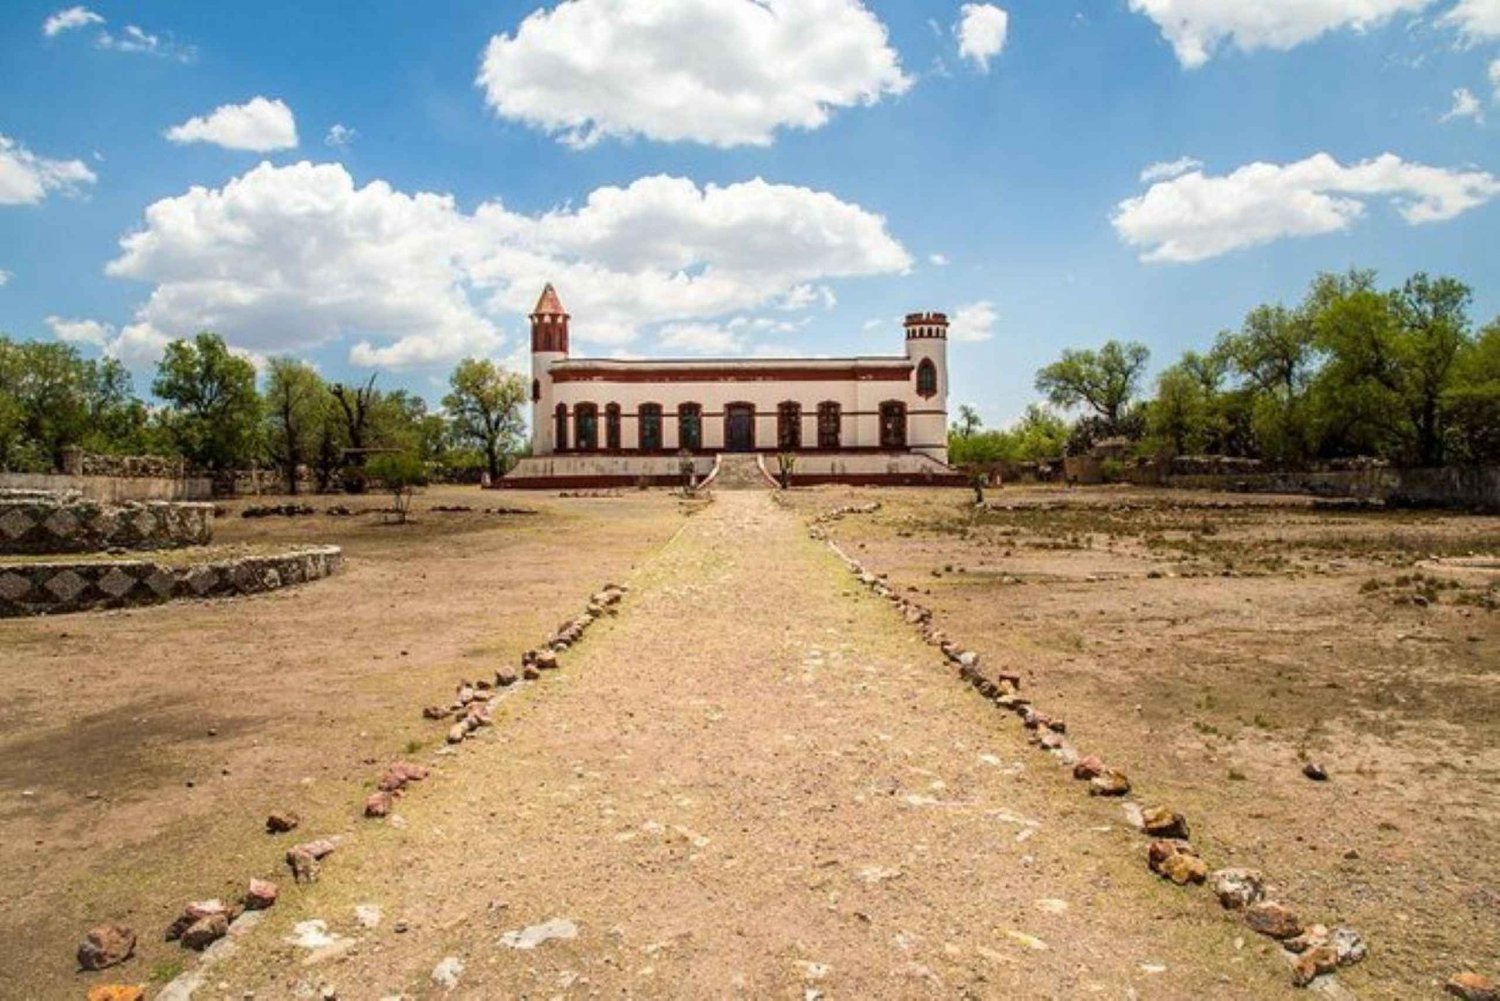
(116, 992)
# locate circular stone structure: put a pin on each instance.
(53, 586)
(35, 522)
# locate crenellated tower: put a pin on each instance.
(927, 347)
(549, 343)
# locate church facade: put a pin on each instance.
(858, 419)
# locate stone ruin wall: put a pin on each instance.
(36, 523)
(59, 586)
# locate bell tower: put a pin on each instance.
(927, 347)
(549, 344)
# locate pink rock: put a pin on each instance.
(378, 804)
(105, 945)
(260, 895)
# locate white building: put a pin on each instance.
(864, 419)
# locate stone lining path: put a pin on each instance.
(757, 782)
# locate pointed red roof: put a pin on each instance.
(549, 304)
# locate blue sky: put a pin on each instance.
(616, 153)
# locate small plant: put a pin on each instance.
(786, 462)
(400, 473)
(166, 971)
(413, 746)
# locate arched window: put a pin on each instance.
(830, 425)
(612, 427)
(561, 420)
(789, 426)
(689, 426)
(650, 439)
(927, 381)
(536, 390)
(892, 424)
(586, 427)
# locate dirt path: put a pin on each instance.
(755, 782)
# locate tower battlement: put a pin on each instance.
(921, 325)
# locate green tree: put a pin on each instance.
(356, 404)
(1432, 318)
(1471, 404)
(213, 410)
(399, 473)
(969, 422)
(296, 411)
(485, 405)
(1104, 381)
(1275, 353)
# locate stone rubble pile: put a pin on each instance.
(277, 511)
(474, 702)
(1311, 950)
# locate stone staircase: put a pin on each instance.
(740, 472)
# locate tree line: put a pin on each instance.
(1398, 374)
(214, 410)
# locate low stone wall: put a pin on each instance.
(562, 472)
(872, 469)
(113, 489)
(36, 524)
(1471, 488)
(60, 586)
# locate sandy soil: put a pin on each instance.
(1214, 644)
(140, 750)
(755, 782)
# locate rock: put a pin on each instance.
(304, 867)
(1314, 963)
(1089, 767)
(1177, 861)
(378, 803)
(206, 931)
(530, 673)
(1238, 888)
(446, 973)
(1111, 783)
(1473, 987)
(546, 660)
(1273, 920)
(457, 732)
(1348, 945)
(1160, 822)
(105, 945)
(1050, 741)
(399, 774)
(1312, 936)
(1315, 771)
(281, 821)
(435, 712)
(191, 915)
(260, 895)
(116, 992)
(1057, 726)
(1034, 720)
(465, 695)
(505, 677)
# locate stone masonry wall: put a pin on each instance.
(35, 524)
(60, 586)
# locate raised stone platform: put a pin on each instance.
(54, 586)
(566, 472)
(33, 522)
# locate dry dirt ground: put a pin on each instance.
(140, 749)
(756, 781)
(1212, 645)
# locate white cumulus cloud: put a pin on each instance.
(1465, 105)
(1198, 28)
(285, 258)
(1495, 79)
(974, 322)
(1168, 169)
(1478, 20)
(5, 277)
(135, 39)
(68, 19)
(91, 332)
(26, 178)
(340, 136)
(719, 72)
(981, 31)
(259, 125)
(1194, 216)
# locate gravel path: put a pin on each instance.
(757, 782)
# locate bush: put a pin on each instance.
(400, 473)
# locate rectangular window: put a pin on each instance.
(830, 421)
(690, 427)
(650, 427)
(789, 427)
